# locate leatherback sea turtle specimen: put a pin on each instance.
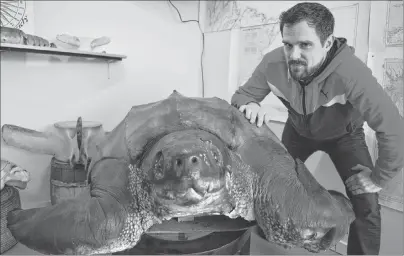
(181, 157)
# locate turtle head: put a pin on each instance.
(186, 170)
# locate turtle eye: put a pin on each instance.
(214, 151)
(158, 168)
(217, 157)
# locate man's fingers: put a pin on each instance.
(351, 186)
(260, 120)
(351, 179)
(360, 185)
(358, 192)
(253, 113)
(362, 190)
(355, 187)
(253, 116)
(248, 113)
(267, 118)
(357, 180)
(358, 168)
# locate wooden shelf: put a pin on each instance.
(58, 51)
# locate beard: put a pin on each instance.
(299, 69)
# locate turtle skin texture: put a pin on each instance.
(185, 156)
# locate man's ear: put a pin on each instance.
(329, 42)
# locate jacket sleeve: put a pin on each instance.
(379, 111)
(255, 89)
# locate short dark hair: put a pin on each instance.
(315, 14)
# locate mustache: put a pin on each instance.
(297, 62)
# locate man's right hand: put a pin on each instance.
(254, 112)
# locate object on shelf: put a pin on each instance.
(67, 41)
(100, 42)
(12, 35)
(17, 36)
(38, 41)
(10, 200)
(13, 175)
(67, 181)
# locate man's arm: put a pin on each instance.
(379, 111)
(255, 89)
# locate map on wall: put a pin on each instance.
(394, 23)
(255, 42)
(393, 81)
(226, 15)
(17, 14)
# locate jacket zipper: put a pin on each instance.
(305, 122)
(304, 102)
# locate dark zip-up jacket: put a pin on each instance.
(336, 101)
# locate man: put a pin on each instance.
(329, 94)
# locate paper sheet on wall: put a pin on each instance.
(386, 27)
(227, 15)
(394, 23)
(255, 42)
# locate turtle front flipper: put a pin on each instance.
(52, 142)
(290, 206)
(104, 221)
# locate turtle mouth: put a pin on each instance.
(192, 197)
(191, 203)
(190, 194)
(184, 198)
(188, 191)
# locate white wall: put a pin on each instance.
(36, 91)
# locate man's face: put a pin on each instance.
(303, 49)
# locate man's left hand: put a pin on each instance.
(361, 183)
